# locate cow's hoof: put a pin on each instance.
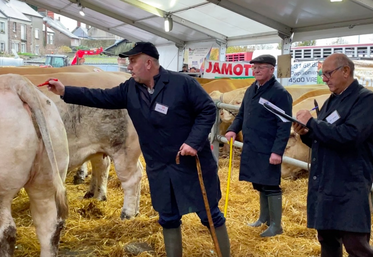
(78, 180)
(123, 216)
(102, 198)
(88, 195)
(126, 216)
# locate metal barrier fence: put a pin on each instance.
(216, 138)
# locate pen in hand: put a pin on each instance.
(314, 108)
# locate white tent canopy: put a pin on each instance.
(220, 22)
(232, 22)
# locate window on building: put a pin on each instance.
(37, 49)
(15, 47)
(37, 33)
(14, 26)
(23, 48)
(23, 32)
(50, 39)
(2, 27)
(2, 47)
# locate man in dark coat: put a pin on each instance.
(171, 112)
(342, 162)
(264, 140)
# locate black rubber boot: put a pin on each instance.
(275, 214)
(264, 211)
(173, 242)
(223, 240)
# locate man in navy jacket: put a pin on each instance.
(171, 112)
(264, 140)
(340, 178)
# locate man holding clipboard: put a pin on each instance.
(265, 138)
(282, 115)
(340, 179)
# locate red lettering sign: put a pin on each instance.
(226, 68)
(237, 69)
(216, 68)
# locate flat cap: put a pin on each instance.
(142, 48)
(265, 58)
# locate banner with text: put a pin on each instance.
(302, 73)
(196, 56)
(215, 69)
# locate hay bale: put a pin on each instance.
(94, 228)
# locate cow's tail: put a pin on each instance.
(30, 95)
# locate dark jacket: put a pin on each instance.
(190, 116)
(342, 162)
(263, 132)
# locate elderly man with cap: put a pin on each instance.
(171, 113)
(265, 137)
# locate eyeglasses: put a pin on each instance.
(262, 67)
(329, 74)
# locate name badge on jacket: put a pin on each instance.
(161, 108)
(333, 117)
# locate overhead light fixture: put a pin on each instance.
(336, 1)
(81, 12)
(168, 22)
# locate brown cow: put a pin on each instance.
(226, 85)
(39, 70)
(311, 93)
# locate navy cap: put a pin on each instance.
(142, 48)
(265, 58)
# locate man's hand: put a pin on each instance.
(303, 116)
(229, 135)
(56, 87)
(187, 150)
(275, 159)
(301, 130)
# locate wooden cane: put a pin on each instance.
(206, 202)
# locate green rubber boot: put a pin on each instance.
(275, 214)
(264, 211)
(223, 240)
(173, 242)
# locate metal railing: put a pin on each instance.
(215, 138)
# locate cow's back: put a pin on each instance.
(91, 130)
(41, 70)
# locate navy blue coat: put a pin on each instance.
(342, 163)
(263, 132)
(190, 116)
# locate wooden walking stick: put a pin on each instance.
(206, 202)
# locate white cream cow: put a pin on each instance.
(34, 155)
(97, 134)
